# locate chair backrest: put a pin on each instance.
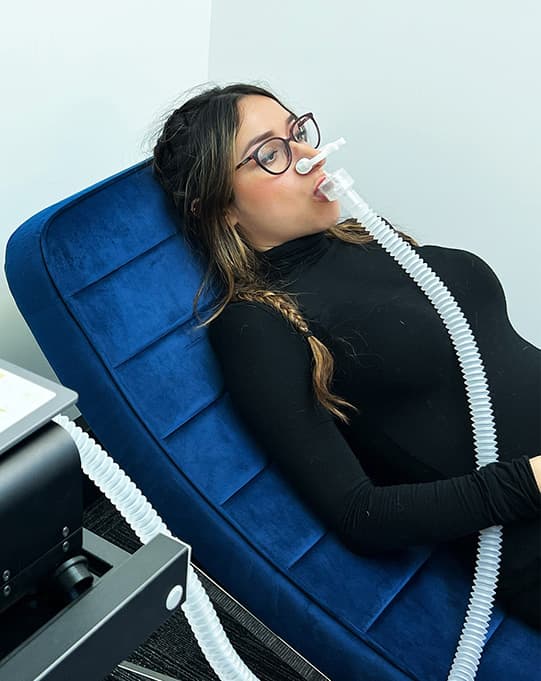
(106, 283)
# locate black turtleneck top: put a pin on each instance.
(403, 471)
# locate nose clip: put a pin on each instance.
(305, 165)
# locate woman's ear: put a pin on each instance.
(231, 217)
(194, 207)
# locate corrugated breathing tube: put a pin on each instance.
(146, 523)
(472, 640)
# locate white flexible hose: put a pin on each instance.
(146, 523)
(473, 637)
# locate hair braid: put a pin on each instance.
(323, 360)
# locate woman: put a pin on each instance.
(334, 358)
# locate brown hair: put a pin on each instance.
(193, 159)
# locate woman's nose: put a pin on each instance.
(305, 150)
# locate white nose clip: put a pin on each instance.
(305, 165)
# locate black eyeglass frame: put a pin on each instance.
(287, 140)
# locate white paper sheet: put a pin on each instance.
(19, 398)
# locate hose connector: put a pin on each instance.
(336, 184)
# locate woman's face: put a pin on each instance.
(271, 209)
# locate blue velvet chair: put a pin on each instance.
(106, 284)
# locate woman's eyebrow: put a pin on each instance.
(263, 135)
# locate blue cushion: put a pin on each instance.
(106, 284)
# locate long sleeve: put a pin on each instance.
(267, 369)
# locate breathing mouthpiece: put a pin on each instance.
(305, 165)
(336, 185)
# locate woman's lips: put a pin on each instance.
(317, 194)
(323, 177)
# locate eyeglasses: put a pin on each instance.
(274, 155)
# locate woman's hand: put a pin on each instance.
(535, 463)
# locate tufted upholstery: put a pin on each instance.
(106, 284)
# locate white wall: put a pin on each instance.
(439, 103)
(82, 88)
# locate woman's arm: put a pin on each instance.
(267, 367)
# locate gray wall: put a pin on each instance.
(82, 89)
(439, 104)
